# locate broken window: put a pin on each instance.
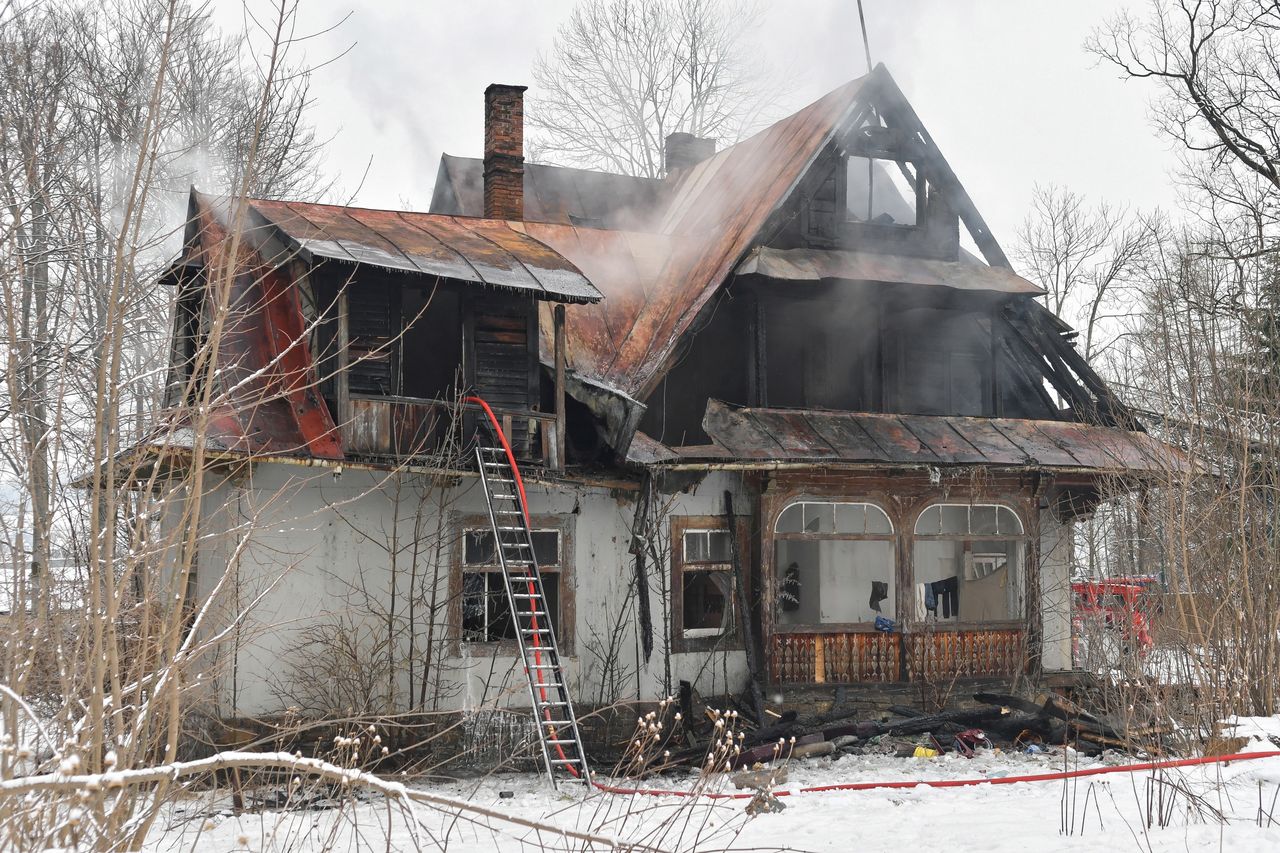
(967, 563)
(835, 564)
(879, 191)
(706, 584)
(486, 612)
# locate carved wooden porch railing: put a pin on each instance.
(852, 657)
(840, 658)
(939, 655)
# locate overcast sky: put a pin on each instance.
(1004, 86)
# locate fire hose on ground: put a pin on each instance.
(958, 783)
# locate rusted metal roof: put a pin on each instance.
(484, 251)
(817, 264)
(552, 194)
(265, 401)
(793, 435)
(713, 214)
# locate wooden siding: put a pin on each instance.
(411, 428)
(505, 347)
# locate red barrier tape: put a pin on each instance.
(959, 783)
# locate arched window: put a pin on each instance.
(834, 564)
(826, 517)
(967, 563)
(969, 519)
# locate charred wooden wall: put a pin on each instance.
(851, 346)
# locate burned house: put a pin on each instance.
(771, 414)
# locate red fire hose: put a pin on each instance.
(961, 783)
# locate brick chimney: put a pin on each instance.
(504, 151)
(683, 150)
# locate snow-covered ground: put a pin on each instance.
(1101, 813)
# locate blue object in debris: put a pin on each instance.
(885, 624)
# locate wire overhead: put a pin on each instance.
(866, 43)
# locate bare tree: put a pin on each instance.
(625, 73)
(1216, 62)
(1087, 258)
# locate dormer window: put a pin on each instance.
(883, 181)
(874, 191)
(881, 192)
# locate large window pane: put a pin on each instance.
(930, 521)
(955, 519)
(877, 521)
(791, 520)
(546, 547)
(967, 580)
(478, 550)
(834, 581)
(851, 518)
(706, 546)
(982, 519)
(819, 518)
(1008, 523)
(705, 602)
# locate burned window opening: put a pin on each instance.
(486, 612)
(706, 584)
(882, 192)
(190, 339)
(703, 584)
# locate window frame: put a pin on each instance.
(731, 637)
(891, 537)
(1024, 558)
(460, 525)
(885, 161)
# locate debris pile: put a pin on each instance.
(1003, 721)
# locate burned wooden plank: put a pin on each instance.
(846, 436)
(899, 442)
(1034, 445)
(946, 442)
(988, 440)
(740, 436)
(791, 430)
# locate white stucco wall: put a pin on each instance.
(294, 549)
(1055, 591)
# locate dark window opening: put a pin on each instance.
(706, 602)
(404, 338)
(486, 611)
(706, 584)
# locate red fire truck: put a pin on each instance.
(1121, 606)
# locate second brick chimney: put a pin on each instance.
(683, 150)
(504, 151)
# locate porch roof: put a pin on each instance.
(968, 273)
(807, 435)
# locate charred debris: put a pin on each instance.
(1009, 722)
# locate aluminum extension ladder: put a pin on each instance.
(558, 735)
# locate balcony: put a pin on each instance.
(412, 429)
